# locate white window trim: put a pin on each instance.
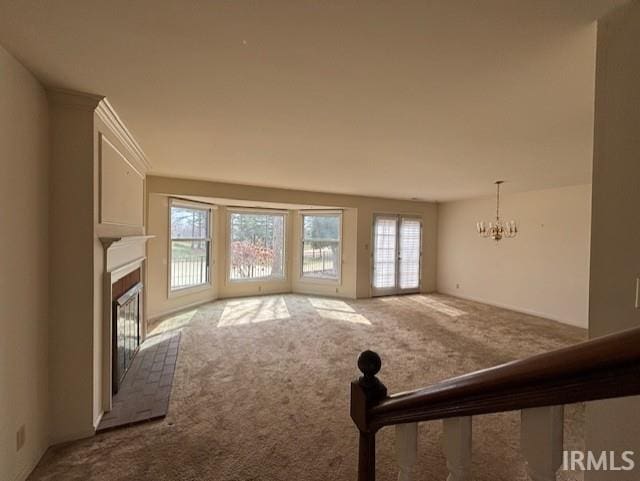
(311, 279)
(174, 201)
(255, 210)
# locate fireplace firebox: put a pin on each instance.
(125, 327)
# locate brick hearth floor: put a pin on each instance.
(145, 391)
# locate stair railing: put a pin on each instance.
(539, 387)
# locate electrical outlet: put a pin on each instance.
(259, 288)
(457, 286)
(337, 290)
(21, 437)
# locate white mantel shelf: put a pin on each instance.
(121, 251)
(108, 242)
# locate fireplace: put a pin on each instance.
(126, 333)
(123, 303)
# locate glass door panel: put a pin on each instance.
(397, 249)
(410, 246)
(385, 253)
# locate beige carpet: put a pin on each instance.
(261, 391)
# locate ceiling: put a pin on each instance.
(411, 99)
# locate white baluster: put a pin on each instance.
(457, 448)
(406, 449)
(541, 438)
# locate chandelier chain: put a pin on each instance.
(498, 202)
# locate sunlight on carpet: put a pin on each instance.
(337, 310)
(441, 307)
(251, 311)
(174, 322)
(426, 301)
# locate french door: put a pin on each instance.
(397, 254)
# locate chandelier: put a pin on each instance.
(498, 229)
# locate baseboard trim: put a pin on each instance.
(96, 422)
(28, 468)
(339, 295)
(74, 437)
(530, 312)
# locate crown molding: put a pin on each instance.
(109, 116)
(72, 98)
(105, 111)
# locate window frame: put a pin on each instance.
(306, 277)
(177, 202)
(257, 211)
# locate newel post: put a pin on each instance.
(366, 391)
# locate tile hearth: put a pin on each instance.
(146, 388)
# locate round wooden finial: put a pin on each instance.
(369, 363)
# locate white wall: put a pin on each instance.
(71, 267)
(615, 240)
(24, 159)
(544, 271)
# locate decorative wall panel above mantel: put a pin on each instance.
(121, 188)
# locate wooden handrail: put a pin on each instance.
(603, 368)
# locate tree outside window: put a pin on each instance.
(256, 246)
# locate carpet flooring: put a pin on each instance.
(261, 391)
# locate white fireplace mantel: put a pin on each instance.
(123, 240)
(120, 251)
(122, 255)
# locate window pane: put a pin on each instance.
(321, 245)
(409, 254)
(189, 223)
(189, 263)
(256, 246)
(322, 227)
(384, 254)
(321, 259)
